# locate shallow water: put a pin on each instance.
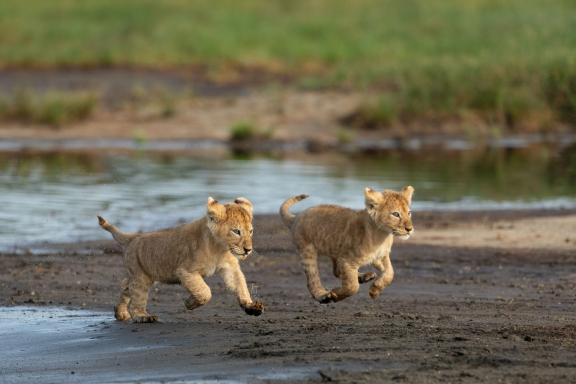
(59, 345)
(38, 321)
(54, 196)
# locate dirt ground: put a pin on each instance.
(477, 297)
(131, 105)
(147, 105)
(293, 115)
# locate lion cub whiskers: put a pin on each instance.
(352, 239)
(187, 254)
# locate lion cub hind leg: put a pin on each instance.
(121, 309)
(362, 277)
(138, 286)
(366, 277)
(350, 283)
(200, 293)
(309, 258)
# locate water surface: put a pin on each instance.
(55, 196)
(59, 345)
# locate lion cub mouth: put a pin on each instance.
(240, 256)
(402, 236)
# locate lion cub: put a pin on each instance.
(187, 254)
(351, 239)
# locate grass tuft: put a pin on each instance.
(52, 109)
(244, 131)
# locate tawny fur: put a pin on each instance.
(352, 239)
(187, 254)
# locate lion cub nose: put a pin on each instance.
(247, 250)
(409, 229)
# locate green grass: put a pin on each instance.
(244, 131)
(498, 59)
(514, 100)
(53, 109)
(350, 39)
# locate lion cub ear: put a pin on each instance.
(371, 197)
(407, 192)
(215, 210)
(245, 203)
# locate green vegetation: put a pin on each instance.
(244, 131)
(509, 99)
(354, 39)
(53, 109)
(506, 62)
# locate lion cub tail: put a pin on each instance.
(287, 216)
(121, 237)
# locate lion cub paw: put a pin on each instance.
(254, 309)
(145, 319)
(329, 297)
(191, 303)
(375, 292)
(366, 277)
(121, 313)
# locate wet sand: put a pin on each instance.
(477, 297)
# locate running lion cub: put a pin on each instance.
(187, 254)
(351, 239)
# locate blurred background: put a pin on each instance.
(139, 110)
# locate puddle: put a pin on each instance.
(191, 381)
(58, 345)
(15, 321)
(53, 197)
(242, 376)
(44, 333)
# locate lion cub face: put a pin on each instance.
(231, 224)
(390, 210)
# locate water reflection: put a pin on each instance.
(55, 196)
(563, 167)
(495, 175)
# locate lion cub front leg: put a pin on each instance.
(236, 282)
(384, 265)
(194, 283)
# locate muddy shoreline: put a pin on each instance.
(454, 313)
(149, 109)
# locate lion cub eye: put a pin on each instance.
(396, 214)
(251, 231)
(236, 232)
